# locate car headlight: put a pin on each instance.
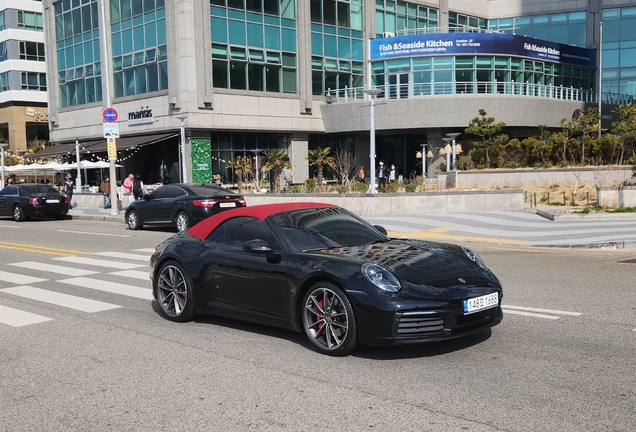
(473, 257)
(381, 277)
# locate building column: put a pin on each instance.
(297, 150)
(303, 21)
(17, 136)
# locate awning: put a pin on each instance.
(100, 146)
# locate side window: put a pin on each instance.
(173, 192)
(159, 193)
(238, 230)
(9, 191)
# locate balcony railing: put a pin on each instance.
(417, 90)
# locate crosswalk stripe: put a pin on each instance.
(99, 262)
(60, 299)
(148, 250)
(19, 318)
(134, 274)
(122, 255)
(111, 287)
(530, 314)
(18, 278)
(68, 271)
(530, 309)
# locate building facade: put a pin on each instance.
(23, 83)
(244, 77)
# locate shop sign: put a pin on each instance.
(39, 116)
(143, 116)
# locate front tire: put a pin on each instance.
(328, 320)
(182, 222)
(18, 214)
(173, 289)
(132, 219)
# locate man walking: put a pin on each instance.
(104, 188)
(382, 173)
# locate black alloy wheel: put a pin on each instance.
(173, 289)
(132, 219)
(328, 320)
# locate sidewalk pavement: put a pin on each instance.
(97, 214)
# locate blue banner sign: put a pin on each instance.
(479, 44)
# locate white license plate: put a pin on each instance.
(52, 201)
(230, 204)
(480, 303)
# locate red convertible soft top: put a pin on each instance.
(203, 229)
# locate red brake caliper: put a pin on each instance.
(320, 325)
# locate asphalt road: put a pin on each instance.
(104, 359)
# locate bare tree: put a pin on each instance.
(344, 166)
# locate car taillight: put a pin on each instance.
(66, 200)
(242, 202)
(33, 201)
(204, 203)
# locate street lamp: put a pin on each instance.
(423, 160)
(372, 93)
(447, 151)
(452, 136)
(184, 175)
(2, 146)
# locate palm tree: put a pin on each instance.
(242, 168)
(276, 161)
(320, 157)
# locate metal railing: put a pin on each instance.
(417, 90)
(447, 29)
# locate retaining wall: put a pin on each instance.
(616, 198)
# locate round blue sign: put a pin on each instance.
(110, 115)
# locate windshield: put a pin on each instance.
(326, 227)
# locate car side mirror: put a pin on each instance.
(257, 246)
(381, 229)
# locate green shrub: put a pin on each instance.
(342, 189)
(360, 187)
(393, 186)
(310, 185)
(295, 188)
(411, 187)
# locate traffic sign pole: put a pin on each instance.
(110, 115)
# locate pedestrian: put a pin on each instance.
(10, 179)
(382, 174)
(68, 189)
(104, 188)
(138, 187)
(413, 176)
(289, 179)
(217, 178)
(392, 173)
(128, 186)
(361, 176)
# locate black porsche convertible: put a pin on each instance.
(319, 269)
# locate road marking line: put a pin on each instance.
(529, 309)
(93, 233)
(437, 234)
(10, 226)
(530, 314)
(124, 256)
(110, 287)
(60, 299)
(67, 271)
(149, 250)
(41, 249)
(18, 278)
(19, 318)
(99, 262)
(134, 274)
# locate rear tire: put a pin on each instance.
(60, 217)
(328, 320)
(182, 221)
(173, 290)
(18, 214)
(132, 219)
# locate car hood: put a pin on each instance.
(425, 264)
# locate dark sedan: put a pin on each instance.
(319, 269)
(25, 200)
(181, 205)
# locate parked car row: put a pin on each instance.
(26, 200)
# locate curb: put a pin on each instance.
(554, 216)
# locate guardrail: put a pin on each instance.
(415, 90)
